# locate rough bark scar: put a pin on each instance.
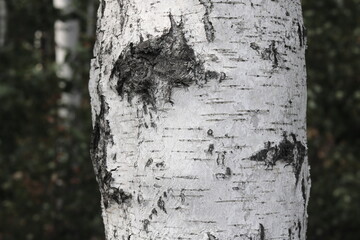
(101, 137)
(151, 69)
(209, 28)
(291, 152)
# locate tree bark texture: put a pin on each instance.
(198, 111)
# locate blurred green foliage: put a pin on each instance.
(47, 185)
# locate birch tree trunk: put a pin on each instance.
(67, 31)
(198, 111)
(3, 22)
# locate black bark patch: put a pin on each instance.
(290, 233)
(222, 77)
(118, 195)
(151, 69)
(140, 199)
(302, 34)
(228, 172)
(161, 204)
(103, 6)
(95, 135)
(303, 190)
(160, 164)
(182, 196)
(208, 26)
(291, 152)
(270, 53)
(225, 175)
(146, 224)
(220, 160)
(153, 213)
(210, 132)
(211, 149)
(149, 162)
(262, 232)
(254, 46)
(211, 237)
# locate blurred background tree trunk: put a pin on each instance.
(199, 119)
(67, 30)
(3, 22)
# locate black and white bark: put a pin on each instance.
(198, 111)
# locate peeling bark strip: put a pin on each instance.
(209, 28)
(101, 137)
(291, 152)
(152, 68)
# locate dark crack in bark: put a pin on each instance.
(101, 137)
(161, 204)
(302, 34)
(270, 53)
(122, 16)
(209, 28)
(211, 237)
(291, 152)
(151, 69)
(299, 229)
(262, 232)
(303, 190)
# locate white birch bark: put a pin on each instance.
(199, 111)
(3, 22)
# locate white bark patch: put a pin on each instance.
(193, 159)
